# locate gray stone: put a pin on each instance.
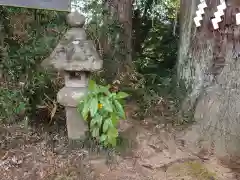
(75, 82)
(59, 53)
(71, 96)
(75, 19)
(72, 34)
(75, 56)
(76, 126)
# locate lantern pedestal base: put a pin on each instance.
(76, 126)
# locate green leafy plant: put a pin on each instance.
(29, 37)
(103, 109)
(12, 104)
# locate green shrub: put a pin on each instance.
(12, 104)
(29, 36)
(103, 109)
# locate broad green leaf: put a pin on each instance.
(112, 136)
(80, 106)
(93, 106)
(92, 123)
(106, 104)
(106, 143)
(91, 130)
(107, 124)
(112, 141)
(99, 120)
(92, 86)
(83, 107)
(121, 101)
(121, 95)
(95, 132)
(119, 108)
(114, 119)
(104, 114)
(114, 95)
(103, 137)
(104, 89)
(112, 132)
(85, 110)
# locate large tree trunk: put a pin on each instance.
(117, 63)
(209, 65)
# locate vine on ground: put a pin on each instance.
(103, 109)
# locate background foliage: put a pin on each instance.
(29, 36)
(155, 34)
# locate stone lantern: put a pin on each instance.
(77, 58)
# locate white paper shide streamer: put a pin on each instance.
(217, 15)
(199, 13)
(238, 19)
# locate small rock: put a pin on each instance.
(75, 19)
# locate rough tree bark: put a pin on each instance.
(113, 64)
(209, 64)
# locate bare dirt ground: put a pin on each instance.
(148, 152)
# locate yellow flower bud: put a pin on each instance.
(100, 106)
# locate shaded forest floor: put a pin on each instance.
(148, 151)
